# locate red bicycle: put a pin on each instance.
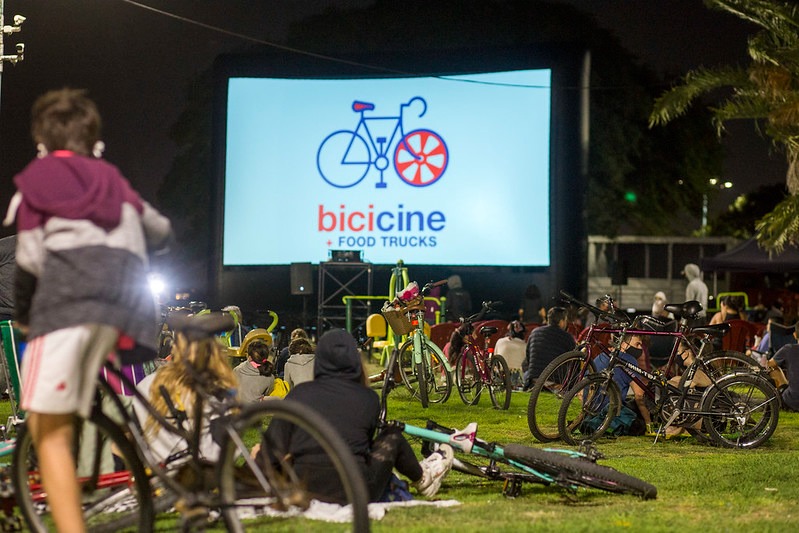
(478, 367)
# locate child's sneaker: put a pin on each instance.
(434, 469)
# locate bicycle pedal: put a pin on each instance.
(512, 488)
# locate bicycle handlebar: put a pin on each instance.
(430, 284)
(616, 317)
(411, 101)
(487, 306)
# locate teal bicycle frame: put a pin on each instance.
(417, 350)
(466, 442)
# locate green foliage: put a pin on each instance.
(766, 90)
(780, 228)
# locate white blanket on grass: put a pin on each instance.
(331, 512)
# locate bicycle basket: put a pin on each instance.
(398, 320)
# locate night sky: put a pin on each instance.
(138, 64)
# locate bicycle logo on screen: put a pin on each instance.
(420, 157)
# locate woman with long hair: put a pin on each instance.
(180, 386)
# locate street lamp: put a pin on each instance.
(714, 183)
(7, 29)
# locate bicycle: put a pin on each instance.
(423, 367)
(516, 464)
(123, 484)
(740, 409)
(479, 367)
(345, 157)
(565, 371)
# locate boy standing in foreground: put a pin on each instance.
(82, 240)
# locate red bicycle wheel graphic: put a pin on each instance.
(421, 158)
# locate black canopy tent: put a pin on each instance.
(749, 257)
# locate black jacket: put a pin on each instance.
(339, 395)
(544, 344)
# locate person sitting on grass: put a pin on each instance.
(340, 394)
(299, 367)
(255, 375)
(787, 359)
(174, 380)
(632, 351)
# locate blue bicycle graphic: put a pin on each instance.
(345, 156)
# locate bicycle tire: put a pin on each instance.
(743, 411)
(420, 371)
(434, 158)
(237, 480)
(557, 378)
(438, 380)
(580, 471)
(123, 503)
(467, 379)
(499, 387)
(723, 362)
(327, 159)
(597, 399)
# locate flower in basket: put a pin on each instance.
(409, 293)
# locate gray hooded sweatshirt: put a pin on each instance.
(299, 368)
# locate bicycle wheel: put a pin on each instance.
(420, 371)
(421, 158)
(467, 378)
(742, 411)
(579, 471)
(717, 365)
(557, 378)
(253, 483)
(406, 369)
(499, 387)
(115, 490)
(588, 409)
(343, 159)
(438, 381)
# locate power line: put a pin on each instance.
(324, 57)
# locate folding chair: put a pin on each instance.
(779, 336)
(12, 347)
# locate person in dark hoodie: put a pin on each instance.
(83, 235)
(339, 393)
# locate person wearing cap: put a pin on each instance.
(659, 307)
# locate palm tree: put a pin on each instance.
(767, 91)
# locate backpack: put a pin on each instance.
(280, 388)
(623, 424)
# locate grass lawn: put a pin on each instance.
(699, 487)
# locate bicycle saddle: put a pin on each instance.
(654, 324)
(690, 309)
(487, 331)
(198, 327)
(716, 330)
(358, 106)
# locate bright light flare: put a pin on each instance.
(157, 284)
